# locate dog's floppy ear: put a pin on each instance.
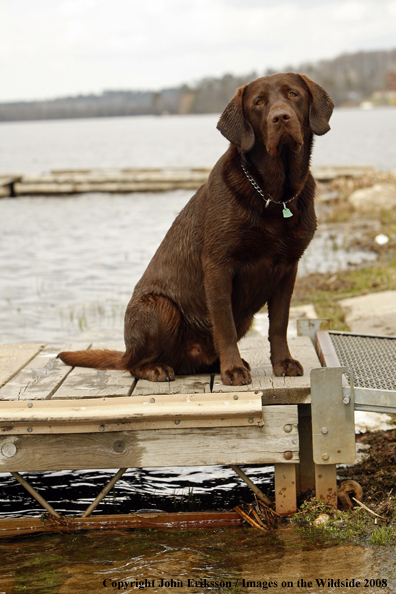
(234, 126)
(321, 107)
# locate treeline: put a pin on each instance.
(349, 79)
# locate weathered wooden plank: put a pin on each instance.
(183, 384)
(13, 357)
(5, 191)
(279, 390)
(297, 390)
(100, 176)
(95, 383)
(70, 182)
(164, 447)
(83, 382)
(120, 414)
(24, 189)
(327, 353)
(285, 489)
(41, 377)
(6, 184)
(326, 483)
(255, 350)
(306, 468)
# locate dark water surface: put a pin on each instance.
(166, 489)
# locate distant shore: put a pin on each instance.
(363, 79)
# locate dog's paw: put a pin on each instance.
(236, 376)
(156, 372)
(287, 367)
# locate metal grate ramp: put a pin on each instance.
(372, 359)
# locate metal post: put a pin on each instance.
(333, 429)
(36, 495)
(104, 492)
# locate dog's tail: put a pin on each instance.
(97, 359)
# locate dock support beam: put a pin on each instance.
(326, 483)
(36, 495)
(104, 492)
(306, 467)
(250, 484)
(285, 489)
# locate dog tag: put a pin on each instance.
(287, 213)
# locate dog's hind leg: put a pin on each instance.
(152, 337)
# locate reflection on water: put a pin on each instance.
(232, 560)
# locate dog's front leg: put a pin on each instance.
(278, 311)
(218, 289)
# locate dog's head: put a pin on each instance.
(276, 110)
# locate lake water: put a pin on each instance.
(356, 137)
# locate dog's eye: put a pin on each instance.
(259, 102)
(292, 94)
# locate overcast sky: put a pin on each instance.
(52, 48)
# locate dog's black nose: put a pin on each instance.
(281, 115)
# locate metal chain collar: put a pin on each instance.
(286, 212)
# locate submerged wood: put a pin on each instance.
(19, 526)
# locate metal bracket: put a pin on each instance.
(333, 421)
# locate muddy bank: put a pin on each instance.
(376, 473)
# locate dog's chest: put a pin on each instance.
(268, 245)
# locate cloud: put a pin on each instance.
(51, 48)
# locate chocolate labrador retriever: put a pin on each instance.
(234, 247)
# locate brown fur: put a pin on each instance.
(226, 254)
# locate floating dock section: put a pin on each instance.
(69, 182)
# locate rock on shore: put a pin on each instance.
(377, 197)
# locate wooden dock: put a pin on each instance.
(68, 182)
(54, 417)
(64, 182)
(7, 184)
